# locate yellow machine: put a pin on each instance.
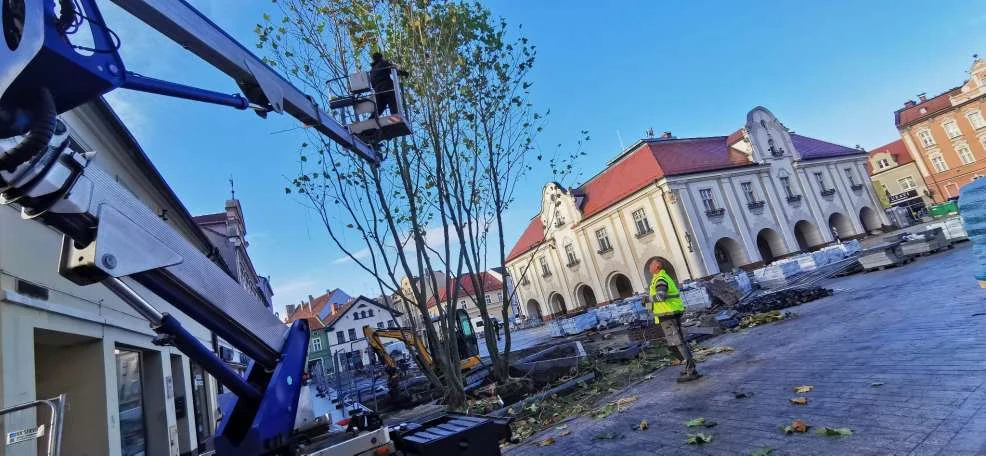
(468, 345)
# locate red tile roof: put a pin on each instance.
(651, 159)
(896, 149)
(907, 116)
(532, 236)
(311, 311)
(812, 149)
(467, 287)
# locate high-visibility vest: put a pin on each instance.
(672, 300)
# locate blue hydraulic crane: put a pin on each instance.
(111, 238)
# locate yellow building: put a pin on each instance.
(898, 178)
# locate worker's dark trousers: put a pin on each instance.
(675, 338)
(386, 100)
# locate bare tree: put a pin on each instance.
(433, 202)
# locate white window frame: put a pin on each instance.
(641, 223)
(976, 119)
(708, 199)
(570, 253)
(926, 138)
(909, 180)
(951, 126)
(947, 187)
(820, 179)
(883, 163)
(316, 343)
(786, 185)
(965, 159)
(935, 163)
(751, 196)
(544, 266)
(851, 175)
(602, 238)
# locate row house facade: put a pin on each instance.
(126, 395)
(897, 178)
(946, 134)
(703, 205)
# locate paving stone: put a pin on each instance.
(877, 329)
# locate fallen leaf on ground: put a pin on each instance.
(742, 394)
(799, 400)
(695, 422)
(876, 384)
(698, 439)
(564, 433)
(642, 426)
(625, 400)
(834, 431)
(703, 353)
(803, 389)
(796, 426)
(763, 452)
(547, 441)
(648, 376)
(607, 436)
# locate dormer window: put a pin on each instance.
(883, 163)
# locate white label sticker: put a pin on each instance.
(25, 434)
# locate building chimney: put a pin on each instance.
(922, 97)
(909, 104)
(666, 135)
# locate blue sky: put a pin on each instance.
(834, 70)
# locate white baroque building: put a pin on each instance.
(704, 205)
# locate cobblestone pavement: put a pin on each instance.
(917, 329)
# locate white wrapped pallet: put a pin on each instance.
(743, 282)
(696, 298)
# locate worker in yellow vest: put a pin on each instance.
(668, 308)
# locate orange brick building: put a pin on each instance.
(946, 134)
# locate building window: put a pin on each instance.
(926, 139)
(369, 313)
(559, 219)
(951, 190)
(976, 119)
(570, 253)
(643, 225)
(316, 343)
(352, 334)
(391, 324)
(851, 176)
(707, 200)
(379, 325)
(341, 337)
(965, 154)
(951, 129)
(748, 192)
(938, 162)
(603, 239)
(820, 178)
(355, 315)
(907, 183)
(786, 183)
(883, 163)
(545, 272)
(130, 397)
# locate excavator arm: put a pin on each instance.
(405, 335)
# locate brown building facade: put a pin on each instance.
(946, 134)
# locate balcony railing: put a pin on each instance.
(573, 263)
(827, 192)
(717, 212)
(793, 198)
(856, 187)
(641, 234)
(546, 274)
(605, 250)
(755, 204)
